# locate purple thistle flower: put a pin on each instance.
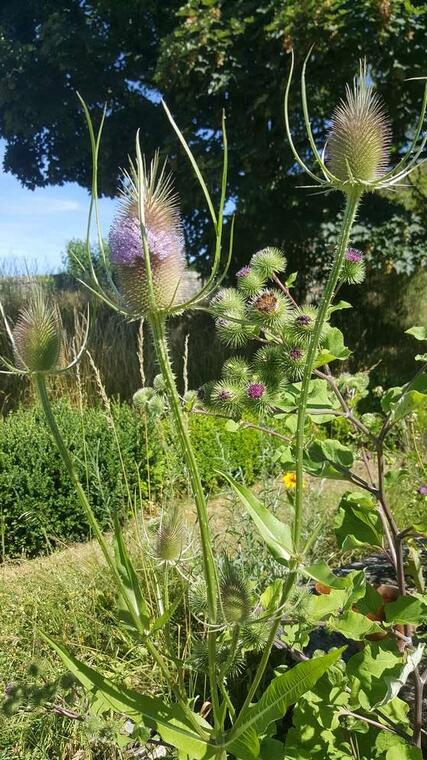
(295, 354)
(303, 320)
(243, 271)
(255, 390)
(353, 255)
(422, 490)
(224, 395)
(126, 242)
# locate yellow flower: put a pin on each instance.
(289, 479)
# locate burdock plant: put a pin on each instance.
(144, 279)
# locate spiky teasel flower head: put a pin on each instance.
(267, 364)
(254, 637)
(357, 149)
(267, 262)
(142, 396)
(37, 335)
(236, 370)
(359, 141)
(353, 268)
(249, 281)
(157, 214)
(268, 309)
(236, 600)
(293, 359)
(300, 325)
(170, 538)
(232, 324)
(228, 397)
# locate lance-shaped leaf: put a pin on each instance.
(283, 691)
(135, 607)
(276, 534)
(169, 721)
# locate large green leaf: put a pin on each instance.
(328, 459)
(406, 610)
(357, 522)
(276, 534)
(400, 402)
(333, 347)
(284, 691)
(169, 721)
(420, 333)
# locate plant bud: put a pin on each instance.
(268, 262)
(353, 268)
(38, 335)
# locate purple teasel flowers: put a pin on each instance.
(164, 240)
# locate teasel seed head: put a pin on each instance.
(353, 269)
(358, 144)
(235, 592)
(38, 335)
(165, 242)
(170, 538)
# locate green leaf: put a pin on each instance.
(379, 672)
(321, 573)
(355, 626)
(276, 534)
(169, 721)
(231, 426)
(411, 401)
(357, 522)
(421, 357)
(291, 279)
(283, 691)
(272, 749)
(406, 610)
(420, 333)
(339, 306)
(332, 348)
(132, 588)
(328, 459)
(403, 751)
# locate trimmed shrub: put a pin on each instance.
(38, 505)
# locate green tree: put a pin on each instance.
(203, 56)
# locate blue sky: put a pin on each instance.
(35, 225)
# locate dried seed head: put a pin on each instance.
(38, 335)
(358, 144)
(165, 241)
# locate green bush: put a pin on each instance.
(38, 506)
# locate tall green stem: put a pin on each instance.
(157, 323)
(51, 421)
(352, 203)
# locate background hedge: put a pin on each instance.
(38, 506)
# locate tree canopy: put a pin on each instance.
(202, 56)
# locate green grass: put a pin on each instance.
(70, 596)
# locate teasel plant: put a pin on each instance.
(143, 279)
